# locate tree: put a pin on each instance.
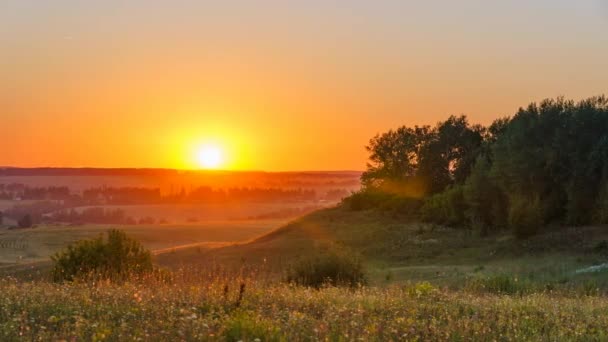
(394, 156)
(117, 257)
(447, 158)
(431, 158)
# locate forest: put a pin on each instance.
(547, 165)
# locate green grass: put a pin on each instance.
(404, 251)
(22, 246)
(426, 283)
(195, 306)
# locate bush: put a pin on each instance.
(525, 216)
(332, 268)
(385, 201)
(446, 208)
(117, 257)
(422, 289)
(486, 203)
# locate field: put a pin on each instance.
(180, 213)
(203, 225)
(37, 244)
(403, 251)
(426, 282)
(197, 306)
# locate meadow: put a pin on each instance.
(210, 307)
(225, 279)
(22, 246)
(425, 283)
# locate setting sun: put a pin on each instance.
(209, 157)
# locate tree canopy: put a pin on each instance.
(548, 163)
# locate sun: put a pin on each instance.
(209, 157)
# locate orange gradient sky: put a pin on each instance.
(276, 85)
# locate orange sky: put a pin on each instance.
(276, 85)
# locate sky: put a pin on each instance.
(275, 85)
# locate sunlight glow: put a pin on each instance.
(209, 157)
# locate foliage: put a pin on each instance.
(547, 163)
(116, 257)
(335, 268)
(446, 208)
(422, 289)
(485, 203)
(429, 158)
(525, 216)
(370, 198)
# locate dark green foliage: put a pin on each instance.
(394, 155)
(117, 257)
(422, 160)
(600, 213)
(445, 208)
(447, 157)
(335, 268)
(371, 198)
(486, 204)
(548, 163)
(525, 216)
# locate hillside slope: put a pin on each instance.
(397, 249)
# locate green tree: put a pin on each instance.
(117, 257)
(394, 156)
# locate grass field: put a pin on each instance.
(37, 244)
(427, 283)
(179, 213)
(399, 251)
(196, 306)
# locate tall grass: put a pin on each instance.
(208, 305)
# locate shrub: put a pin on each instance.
(486, 203)
(331, 268)
(116, 258)
(447, 208)
(247, 327)
(525, 216)
(385, 201)
(422, 289)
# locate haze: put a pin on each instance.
(277, 85)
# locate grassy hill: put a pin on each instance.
(396, 249)
(493, 288)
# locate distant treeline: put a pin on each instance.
(55, 204)
(548, 164)
(130, 172)
(141, 195)
(52, 211)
